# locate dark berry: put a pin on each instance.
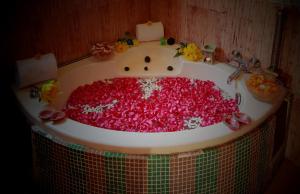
(126, 68)
(147, 59)
(170, 68)
(171, 41)
(146, 68)
(129, 42)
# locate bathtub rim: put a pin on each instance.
(157, 150)
(162, 150)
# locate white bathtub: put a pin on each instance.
(89, 70)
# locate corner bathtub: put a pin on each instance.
(71, 157)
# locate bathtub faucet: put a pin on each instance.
(242, 65)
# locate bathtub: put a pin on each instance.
(210, 159)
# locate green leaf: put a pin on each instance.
(177, 54)
(163, 41)
(182, 44)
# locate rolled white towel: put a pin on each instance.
(149, 31)
(35, 70)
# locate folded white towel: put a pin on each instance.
(34, 70)
(149, 31)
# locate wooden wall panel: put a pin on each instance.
(290, 55)
(172, 14)
(290, 65)
(69, 28)
(245, 25)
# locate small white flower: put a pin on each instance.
(193, 81)
(98, 109)
(192, 123)
(148, 86)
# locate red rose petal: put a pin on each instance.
(58, 115)
(46, 114)
(164, 110)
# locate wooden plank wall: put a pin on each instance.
(290, 64)
(68, 28)
(246, 25)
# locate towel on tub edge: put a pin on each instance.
(149, 31)
(34, 70)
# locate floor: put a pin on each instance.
(286, 180)
(16, 154)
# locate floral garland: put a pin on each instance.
(47, 92)
(102, 51)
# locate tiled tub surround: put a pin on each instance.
(239, 166)
(206, 160)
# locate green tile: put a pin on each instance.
(76, 147)
(115, 172)
(207, 171)
(243, 160)
(263, 152)
(158, 174)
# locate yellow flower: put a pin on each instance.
(121, 47)
(136, 42)
(49, 91)
(192, 52)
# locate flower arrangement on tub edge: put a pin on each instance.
(47, 92)
(190, 52)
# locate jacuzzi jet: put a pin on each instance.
(146, 68)
(147, 59)
(170, 68)
(126, 68)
